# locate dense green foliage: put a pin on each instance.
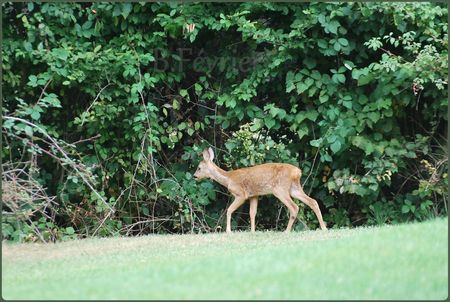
(108, 106)
(401, 262)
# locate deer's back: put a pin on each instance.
(263, 179)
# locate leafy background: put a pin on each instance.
(107, 106)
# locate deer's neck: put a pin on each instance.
(219, 175)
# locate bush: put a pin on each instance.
(355, 94)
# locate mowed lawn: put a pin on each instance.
(408, 261)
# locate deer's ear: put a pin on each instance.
(206, 154)
(211, 154)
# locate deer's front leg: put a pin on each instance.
(238, 201)
(253, 209)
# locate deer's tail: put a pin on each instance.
(297, 174)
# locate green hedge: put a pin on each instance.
(355, 94)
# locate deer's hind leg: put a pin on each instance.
(253, 209)
(298, 193)
(290, 204)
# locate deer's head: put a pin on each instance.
(204, 167)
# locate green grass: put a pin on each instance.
(407, 261)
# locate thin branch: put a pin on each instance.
(312, 168)
(95, 100)
(43, 91)
(131, 226)
(86, 139)
(68, 159)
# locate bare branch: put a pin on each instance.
(66, 157)
(43, 90)
(95, 100)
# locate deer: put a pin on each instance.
(279, 179)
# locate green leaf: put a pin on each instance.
(341, 78)
(182, 126)
(35, 115)
(316, 75)
(309, 82)
(323, 98)
(368, 148)
(145, 211)
(331, 185)
(405, 209)
(322, 43)
(302, 131)
(331, 139)
(365, 11)
(258, 124)
(126, 9)
(332, 113)
(198, 87)
(281, 114)
(27, 45)
(316, 142)
(312, 115)
(338, 78)
(70, 231)
(343, 41)
(332, 26)
(60, 53)
(326, 157)
(270, 122)
(52, 100)
(374, 187)
(365, 79)
(183, 92)
(86, 25)
(231, 103)
(137, 87)
(309, 62)
(348, 104)
(175, 104)
(322, 19)
(356, 74)
(374, 116)
(226, 124)
(289, 76)
(290, 81)
(28, 130)
(336, 146)
(32, 81)
(301, 87)
(300, 117)
(349, 64)
(337, 46)
(290, 86)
